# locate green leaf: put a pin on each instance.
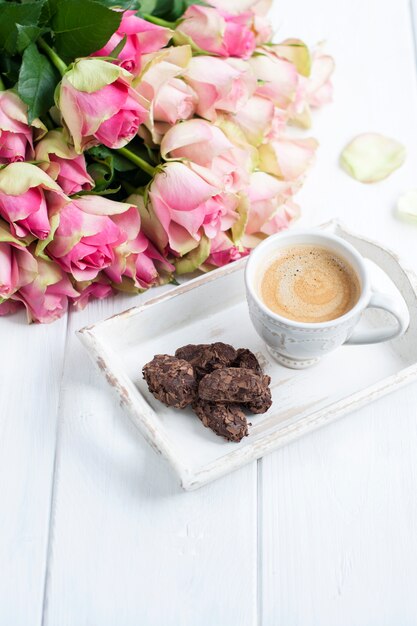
(27, 35)
(13, 15)
(120, 163)
(121, 4)
(102, 172)
(82, 27)
(169, 10)
(37, 82)
(9, 68)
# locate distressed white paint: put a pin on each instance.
(335, 512)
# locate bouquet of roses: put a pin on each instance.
(141, 140)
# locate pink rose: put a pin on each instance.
(262, 28)
(170, 98)
(62, 163)
(18, 266)
(9, 306)
(141, 36)
(221, 212)
(224, 251)
(28, 199)
(104, 110)
(85, 240)
(217, 32)
(136, 258)
(16, 135)
(287, 158)
(175, 101)
(195, 140)
(277, 78)
(265, 193)
(177, 208)
(256, 119)
(285, 214)
(209, 152)
(26, 280)
(319, 87)
(221, 84)
(46, 298)
(100, 290)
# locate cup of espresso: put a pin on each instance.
(306, 292)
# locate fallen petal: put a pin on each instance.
(371, 157)
(407, 204)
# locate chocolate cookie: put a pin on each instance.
(246, 358)
(233, 384)
(171, 380)
(261, 404)
(226, 420)
(206, 357)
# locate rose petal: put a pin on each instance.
(371, 157)
(407, 204)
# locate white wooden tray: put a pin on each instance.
(211, 308)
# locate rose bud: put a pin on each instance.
(217, 32)
(98, 105)
(85, 240)
(62, 163)
(142, 37)
(28, 199)
(16, 134)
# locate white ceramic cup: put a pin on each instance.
(301, 344)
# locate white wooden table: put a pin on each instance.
(93, 528)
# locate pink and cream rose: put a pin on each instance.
(86, 238)
(28, 200)
(177, 208)
(209, 152)
(277, 78)
(99, 289)
(266, 195)
(98, 105)
(18, 267)
(319, 87)
(137, 258)
(171, 99)
(30, 281)
(224, 251)
(16, 134)
(286, 158)
(60, 161)
(217, 32)
(222, 85)
(47, 297)
(141, 37)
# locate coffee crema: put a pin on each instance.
(308, 283)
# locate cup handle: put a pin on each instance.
(386, 303)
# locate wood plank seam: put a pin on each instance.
(53, 484)
(259, 527)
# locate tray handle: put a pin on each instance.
(404, 279)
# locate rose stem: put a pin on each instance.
(56, 60)
(141, 163)
(158, 21)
